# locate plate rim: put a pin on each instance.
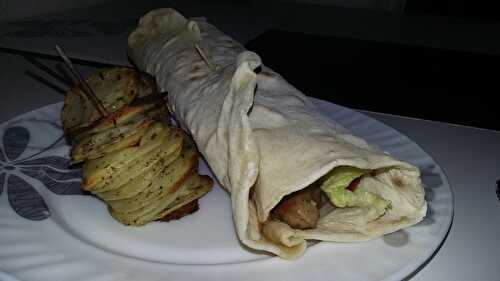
(409, 269)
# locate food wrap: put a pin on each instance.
(263, 138)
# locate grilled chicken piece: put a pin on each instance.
(300, 209)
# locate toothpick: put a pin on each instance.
(202, 55)
(85, 86)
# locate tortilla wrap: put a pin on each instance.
(264, 139)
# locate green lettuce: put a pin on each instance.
(335, 184)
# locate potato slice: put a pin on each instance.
(166, 182)
(181, 212)
(119, 118)
(114, 87)
(134, 186)
(191, 193)
(96, 145)
(148, 212)
(106, 167)
(160, 113)
(148, 85)
(166, 153)
(195, 187)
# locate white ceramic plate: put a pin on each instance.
(48, 231)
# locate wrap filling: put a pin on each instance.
(301, 209)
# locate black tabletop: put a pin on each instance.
(437, 84)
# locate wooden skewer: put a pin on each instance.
(85, 86)
(48, 70)
(202, 55)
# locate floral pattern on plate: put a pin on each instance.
(21, 162)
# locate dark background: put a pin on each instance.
(453, 86)
(479, 10)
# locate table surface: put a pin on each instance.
(470, 157)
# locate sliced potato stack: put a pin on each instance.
(143, 168)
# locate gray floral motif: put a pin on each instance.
(52, 171)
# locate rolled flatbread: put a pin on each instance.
(264, 140)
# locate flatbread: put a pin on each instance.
(263, 138)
